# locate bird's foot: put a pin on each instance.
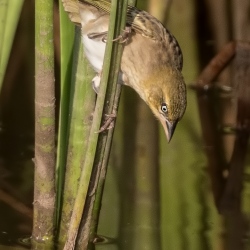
(96, 82)
(109, 122)
(124, 36)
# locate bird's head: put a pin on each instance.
(166, 97)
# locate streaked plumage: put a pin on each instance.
(151, 61)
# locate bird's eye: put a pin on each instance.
(164, 107)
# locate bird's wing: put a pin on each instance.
(140, 21)
(72, 8)
(146, 25)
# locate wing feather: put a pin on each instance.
(140, 21)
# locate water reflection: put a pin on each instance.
(16, 186)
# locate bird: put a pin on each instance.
(151, 62)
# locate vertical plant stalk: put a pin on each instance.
(209, 129)
(232, 200)
(44, 190)
(141, 222)
(3, 20)
(140, 205)
(90, 219)
(160, 9)
(67, 30)
(10, 11)
(144, 230)
(82, 102)
(93, 139)
(227, 193)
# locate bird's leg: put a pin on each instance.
(124, 36)
(109, 122)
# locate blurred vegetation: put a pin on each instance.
(153, 190)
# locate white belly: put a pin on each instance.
(93, 22)
(94, 51)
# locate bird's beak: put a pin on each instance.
(169, 128)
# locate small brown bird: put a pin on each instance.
(151, 61)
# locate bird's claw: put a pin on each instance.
(108, 124)
(124, 36)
